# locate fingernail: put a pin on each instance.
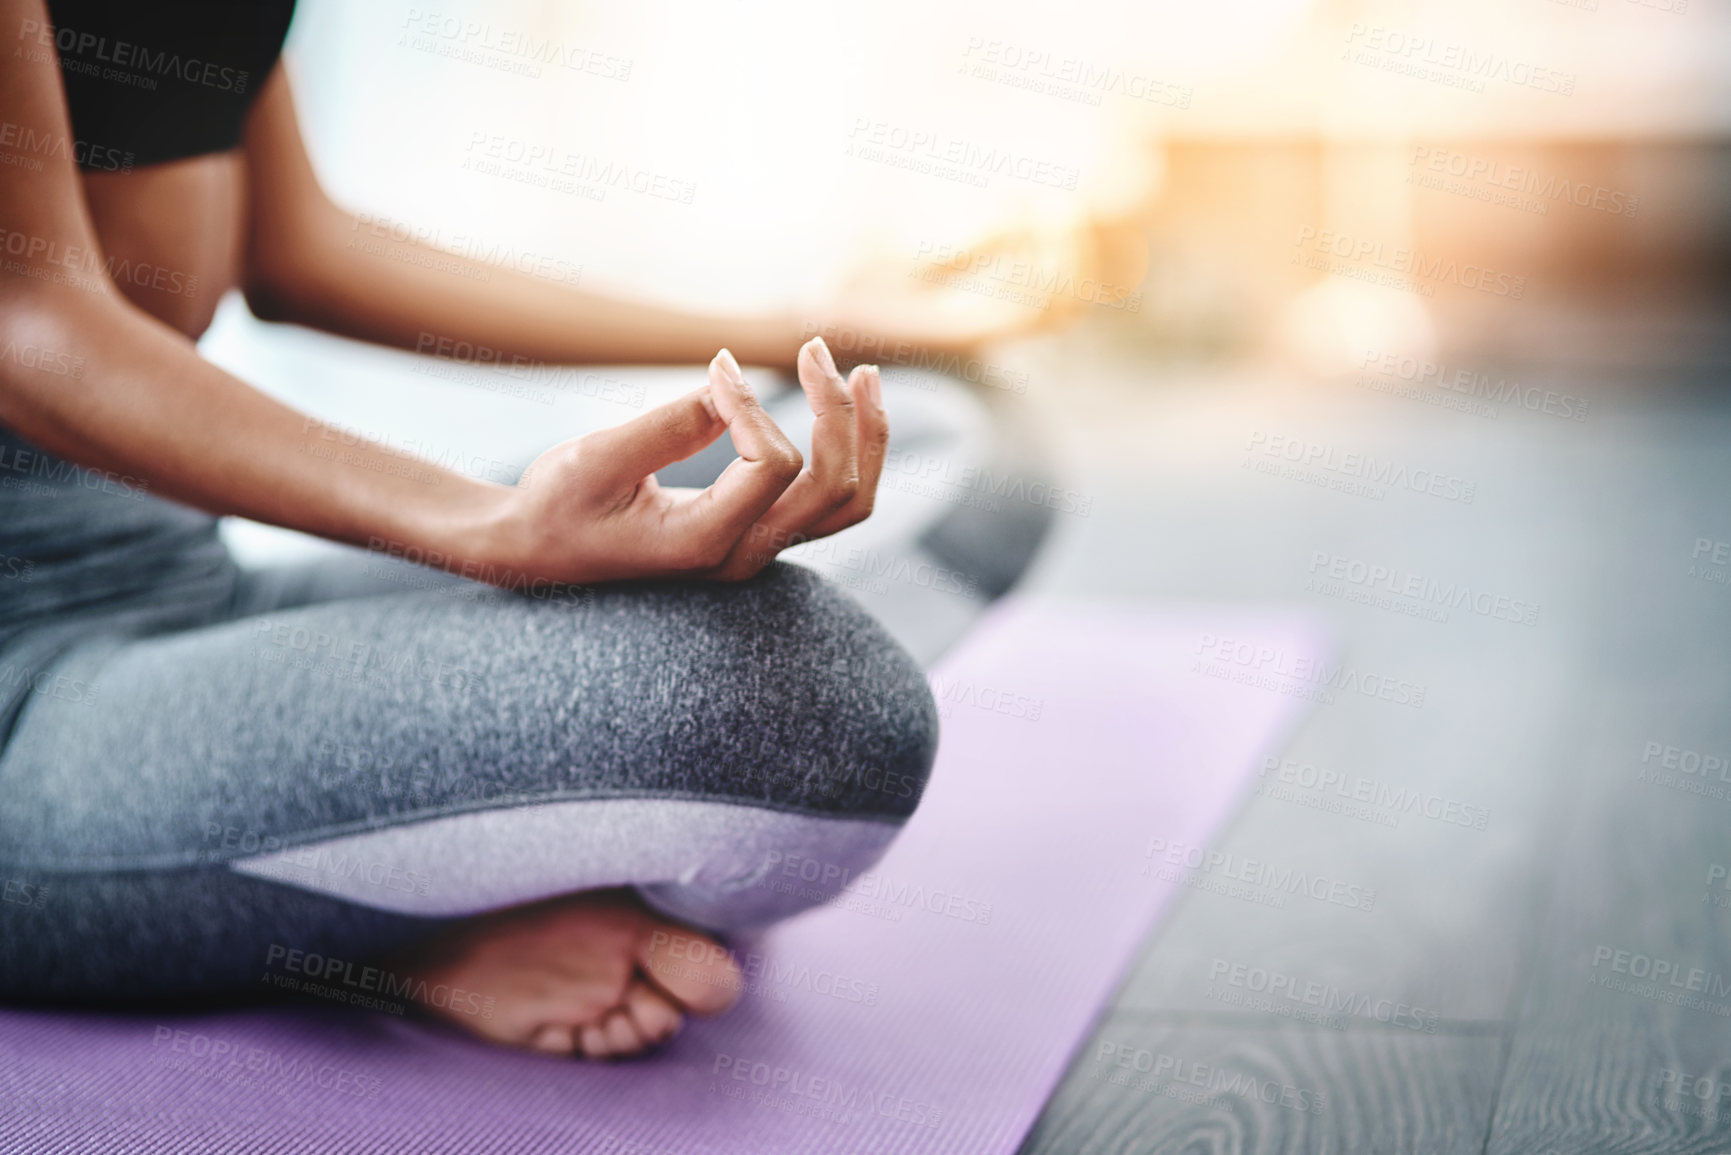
(730, 370)
(729, 367)
(875, 385)
(820, 353)
(707, 400)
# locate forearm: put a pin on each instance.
(354, 279)
(145, 405)
(311, 262)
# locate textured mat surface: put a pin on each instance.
(931, 1009)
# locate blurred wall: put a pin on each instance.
(1250, 170)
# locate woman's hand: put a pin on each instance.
(591, 510)
(1018, 281)
(848, 438)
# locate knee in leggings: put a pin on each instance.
(868, 733)
(858, 757)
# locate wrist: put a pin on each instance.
(771, 339)
(473, 532)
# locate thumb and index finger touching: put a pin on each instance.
(768, 462)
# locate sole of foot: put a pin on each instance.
(594, 974)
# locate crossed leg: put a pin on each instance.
(535, 799)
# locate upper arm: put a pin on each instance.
(48, 245)
(291, 221)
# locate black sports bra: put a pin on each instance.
(155, 80)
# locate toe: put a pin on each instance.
(694, 969)
(593, 1042)
(554, 1039)
(656, 1017)
(621, 1032)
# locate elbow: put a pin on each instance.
(266, 301)
(276, 290)
(289, 256)
(44, 347)
(43, 320)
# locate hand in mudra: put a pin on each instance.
(1015, 282)
(591, 510)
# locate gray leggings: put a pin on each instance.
(203, 768)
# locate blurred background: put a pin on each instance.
(1234, 248)
(1177, 152)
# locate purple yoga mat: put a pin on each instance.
(931, 1009)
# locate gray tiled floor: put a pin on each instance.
(1490, 939)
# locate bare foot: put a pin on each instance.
(594, 973)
